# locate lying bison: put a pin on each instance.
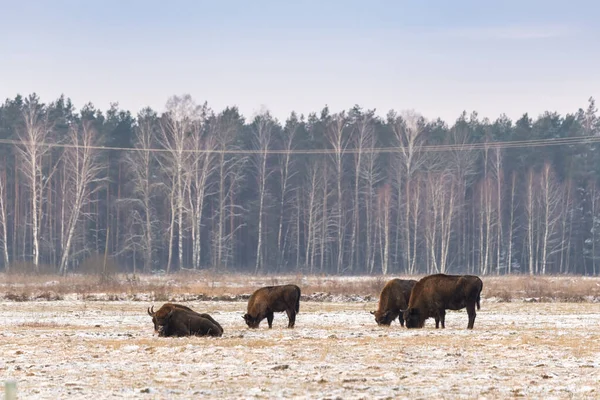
(268, 300)
(392, 300)
(159, 316)
(434, 294)
(180, 322)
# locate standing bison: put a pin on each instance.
(434, 294)
(180, 322)
(393, 299)
(268, 300)
(159, 316)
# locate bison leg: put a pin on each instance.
(443, 318)
(292, 317)
(270, 319)
(471, 312)
(437, 322)
(401, 319)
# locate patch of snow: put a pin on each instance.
(107, 349)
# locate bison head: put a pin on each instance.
(154, 319)
(383, 318)
(163, 327)
(157, 318)
(251, 321)
(413, 319)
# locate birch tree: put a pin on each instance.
(461, 161)
(83, 169)
(530, 213)
(371, 177)
(363, 138)
(499, 175)
(325, 222)
(33, 151)
(3, 220)
(384, 208)
(511, 227)
(339, 140)
(141, 164)
(551, 197)
(489, 194)
(229, 170)
(409, 137)
(441, 200)
(286, 173)
(415, 200)
(486, 221)
(432, 218)
(566, 224)
(263, 133)
(181, 117)
(312, 189)
(200, 166)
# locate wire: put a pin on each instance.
(418, 148)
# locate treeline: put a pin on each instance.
(338, 193)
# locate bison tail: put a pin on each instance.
(298, 302)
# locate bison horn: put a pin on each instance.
(151, 312)
(372, 312)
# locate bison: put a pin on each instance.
(159, 316)
(392, 300)
(434, 294)
(180, 322)
(268, 300)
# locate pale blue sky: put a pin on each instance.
(437, 57)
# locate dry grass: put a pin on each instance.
(369, 286)
(564, 288)
(188, 286)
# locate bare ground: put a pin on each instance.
(81, 349)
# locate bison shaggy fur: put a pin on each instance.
(393, 299)
(180, 322)
(434, 294)
(271, 299)
(159, 316)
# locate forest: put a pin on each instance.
(344, 192)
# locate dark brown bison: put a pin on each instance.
(268, 300)
(180, 322)
(434, 294)
(392, 300)
(159, 316)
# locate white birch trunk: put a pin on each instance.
(3, 221)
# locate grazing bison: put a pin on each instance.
(180, 322)
(392, 300)
(268, 300)
(434, 294)
(159, 316)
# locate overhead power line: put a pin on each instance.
(419, 148)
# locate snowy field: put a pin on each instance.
(92, 349)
